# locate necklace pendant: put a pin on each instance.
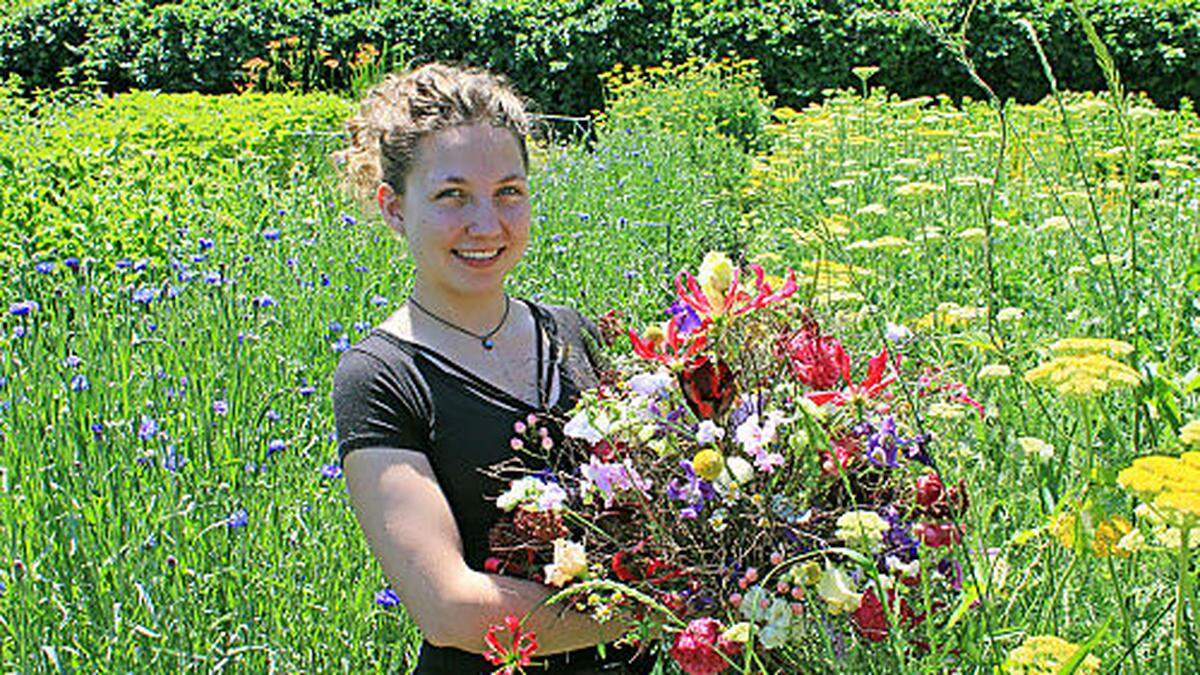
(488, 344)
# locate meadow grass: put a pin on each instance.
(168, 496)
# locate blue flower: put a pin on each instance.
(325, 279)
(23, 308)
(264, 300)
(237, 519)
(148, 429)
(272, 416)
(44, 267)
(18, 332)
(335, 327)
(72, 361)
(220, 407)
(124, 264)
(205, 243)
(360, 268)
(199, 257)
(276, 445)
(290, 262)
(212, 278)
(331, 471)
(271, 234)
(883, 443)
(341, 344)
(349, 220)
(72, 263)
(361, 326)
(379, 300)
(306, 390)
(97, 430)
(387, 598)
(141, 265)
(80, 383)
(144, 295)
(688, 321)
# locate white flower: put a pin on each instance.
(570, 561)
(708, 432)
(836, 589)
(897, 332)
(518, 491)
(994, 371)
(580, 426)
(737, 472)
(651, 385)
(1036, 447)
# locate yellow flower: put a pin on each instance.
(994, 371)
(716, 275)
(1189, 434)
(837, 590)
(1109, 534)
(862, 530)
(1036, 447)
(1045, 655)
(570, 561)
(708, 464)
(1075, 346)
(1170, 488)
(1083, 375)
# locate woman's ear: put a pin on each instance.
(391, 205)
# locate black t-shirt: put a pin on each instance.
(388, 392)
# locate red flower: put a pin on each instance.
(930, 490)
(708, 388)
(700, 650)
(871, 620)
(510, 659)
(669, 346)
(940, 501)
(736, 301)
(937, 535)
(871, 386)
(816, 360)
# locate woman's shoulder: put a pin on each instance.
(382, 363)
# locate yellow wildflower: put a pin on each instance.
(1109, 534)
(1083, 375)
(1045, 655)
(1036, 447)
(716, 275)
(708, 464)
(994, 371)
(1078, 345)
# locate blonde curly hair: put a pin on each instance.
(397, 113)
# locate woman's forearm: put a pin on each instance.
(485, 599)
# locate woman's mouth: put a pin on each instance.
(478, 257)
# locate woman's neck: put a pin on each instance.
(475, 313)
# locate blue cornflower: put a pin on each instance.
(271, 234)
(124, 264)
(276, 445)
(272, 416)
(144, 296)
(44, 267)
(18, 332)
(148, 429)
(220, 407)
(23, 308)
(237, 519)
(172, 460)
(379, 300)
(72, 361)
(264, 300)
(199, 257)
(349, 219)
(360, 268)
(387, 598)
(341, 344)
(205, 243)
(290, 262)
(141, 265)
(332, 471)
(325, 279)
(306, 390)
(247, 258)
(212, 278)
(361, 326)
(72, 263)
(335, 327)
(97, 430)
(80, 383)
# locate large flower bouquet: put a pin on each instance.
(738, 491)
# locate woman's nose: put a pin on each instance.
(485, 219)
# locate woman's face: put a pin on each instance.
(464, 212)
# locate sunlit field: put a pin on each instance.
(183, 274)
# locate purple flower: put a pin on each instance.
(72, 361)
(205, 243)
(148, 428)
(272, 416)
(693, 489)
(220, 407)
(173, 461)
(212, 278)
(387, 598)
(237, 519)
(360, 268)
(23, 308)
(688, 319)
(290, 262)
(883, 443)
(349, 220)
(276, 445)
(18, 332)
(361, 326)
(916, 450)
(379, 300)
(44, 267)
(341, 344)
(72, 263)
(306, 390)
(144, 296)
(97, 430)
(199, 257)
(264, 300)
(141, 265)
(335, 327)
(80, 383)
(124, 264)
(271, 234)
(324, 279)
(332, 471)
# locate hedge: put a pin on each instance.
(554, 49)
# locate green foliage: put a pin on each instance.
(554, 49)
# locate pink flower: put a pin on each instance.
(700, 650)
(816, 360)
(514, 658)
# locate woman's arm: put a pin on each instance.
(408, 524)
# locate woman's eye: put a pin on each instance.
(452, 193)
(511, 191)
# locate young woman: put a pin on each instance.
(430, 396)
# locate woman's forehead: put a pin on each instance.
(469, 153)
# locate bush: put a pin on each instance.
(555, 49)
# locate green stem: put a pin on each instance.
(1125, 624)
(1181, 596)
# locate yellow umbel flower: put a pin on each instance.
(1189, 434)
(1078, 346)
(708, 464)
(1108, 535)
(1171, 485)
(1083, 375)
(1045, 655)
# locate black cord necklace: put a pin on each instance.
(485, 339)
